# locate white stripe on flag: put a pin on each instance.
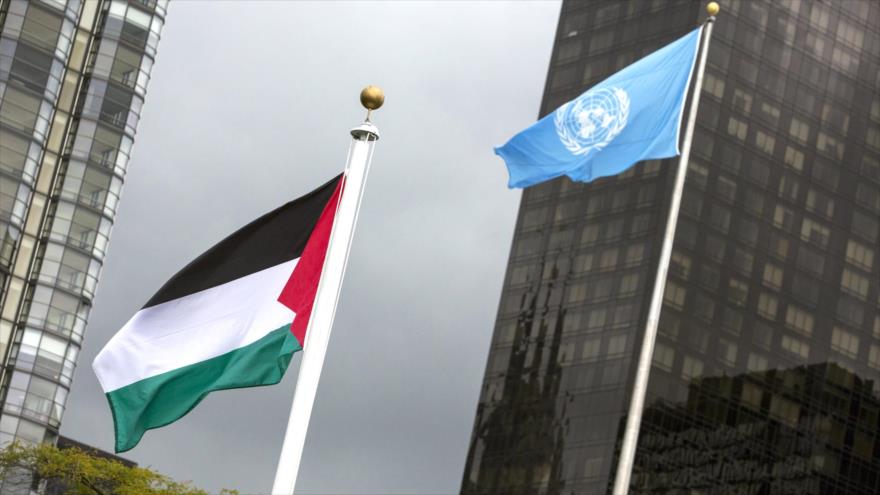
(195, 328)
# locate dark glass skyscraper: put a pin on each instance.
(73, 77)
(766, 373)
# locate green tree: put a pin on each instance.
(80, 473)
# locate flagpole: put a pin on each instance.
(320, 324)
(640, 386)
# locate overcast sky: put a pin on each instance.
(250, 105)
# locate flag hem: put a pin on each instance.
(687, 88)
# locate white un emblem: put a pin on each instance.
(592, 120)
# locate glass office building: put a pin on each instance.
(766, 374)
(73, 76)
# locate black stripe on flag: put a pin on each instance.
(272, 239)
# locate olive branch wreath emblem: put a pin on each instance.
(570, 141)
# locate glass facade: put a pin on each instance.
(766, 373)
(73, 77)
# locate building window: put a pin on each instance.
(746, 231)
(742, 101)
(785, 410)
(617, 345)
(768, 305)
(680, 265)
(794, 159)
(870, 168)
(612, 373)
(765, 142)
(692, 203)
(726, 189)
(569, 50)
(583, 263)
(719, 218)
(752, 395)
(788, 187)
(715, 248)
(566, 354)
(624, 315)
(601, 289)
(829, 145)
(597, 319)
(664, 357)
(799, 320)
(732, 321)
(698, 175)
(754, 202)
(835, 117)
(811, 261)
(640, 225)
(772, 276)
(629, 285)
(854, 284)
(770, 113)
(703, 307)
(826, 173)
(591, 349)
(674, 295)
(590, 234)
(634, 254)
(756, 363)
(710, 277)
(650, 168)
(608, 259)
(714, 85)
(743, 260)
(860, 255)
(762, 336)
(865, 226)
(850, 310)
(844, 342)
(799, 130)
(820, 203)
(613, 230)
(593, 468)
(874, 357)
(647, 194)
(783, 218)
(872, 138)
(805, 289)
(727, 352)
(577, 293)
(815, 233)
(601, 41)
(737, 128)
(737, 292)
(795, 346)
(868, 196)
(691, 368)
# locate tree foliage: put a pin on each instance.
(80, 473)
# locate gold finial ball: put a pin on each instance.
(372, 97)
(713, 8)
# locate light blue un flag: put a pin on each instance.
(633, 115)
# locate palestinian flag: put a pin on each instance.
(232, 318)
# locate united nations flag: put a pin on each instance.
(633, 115)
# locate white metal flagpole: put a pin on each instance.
(320, 324)
(640, 385)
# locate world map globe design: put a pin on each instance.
(592, 120)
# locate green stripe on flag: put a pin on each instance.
(162, 399)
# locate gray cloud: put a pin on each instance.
(249, 106)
